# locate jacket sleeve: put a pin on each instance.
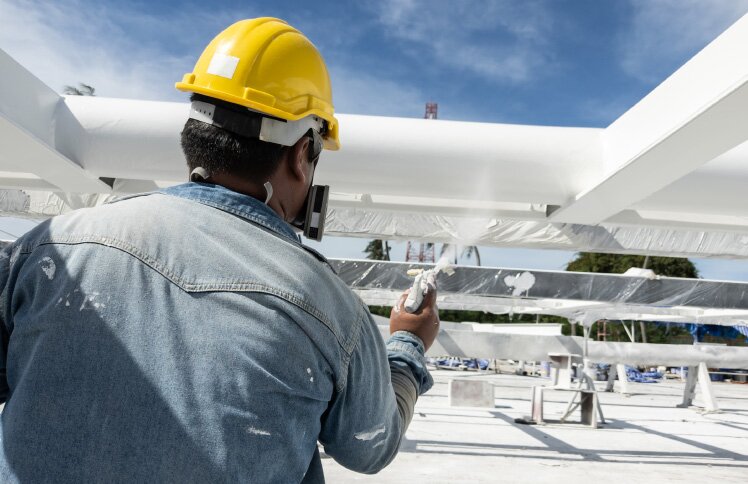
(4, 332)
(370, 413)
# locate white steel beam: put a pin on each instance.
(662, 219)
(698, 113)
(17, 180)
(28, 110)
(466, 343)
(579, 296)
(21, 148)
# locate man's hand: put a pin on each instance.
(424, 323)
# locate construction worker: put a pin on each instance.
(187, 335)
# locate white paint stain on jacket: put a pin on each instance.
(49, 267)
(256, 431)
(370, 434)
(14, 255)
(90, 301)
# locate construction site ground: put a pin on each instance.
(646, 439)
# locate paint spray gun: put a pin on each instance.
(424, 278)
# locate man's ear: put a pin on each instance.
(297, 159)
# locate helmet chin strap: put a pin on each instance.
(268, 191)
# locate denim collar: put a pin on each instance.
(235, 203)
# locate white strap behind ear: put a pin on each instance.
(199, 174)
(268, 191)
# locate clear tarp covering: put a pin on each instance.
(582, 297)
(481, 231)
(33, 204)
(538, 234)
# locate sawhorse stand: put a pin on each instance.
(584, 390)
(699, 374)
(623, 379)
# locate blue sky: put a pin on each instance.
(555, 62)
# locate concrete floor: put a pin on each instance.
(646, 440)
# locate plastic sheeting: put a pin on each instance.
(482, 231)
(538, 234)
(39, 205)
(583, 297)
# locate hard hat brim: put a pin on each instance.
(330, 140)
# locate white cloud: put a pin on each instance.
(456, 35)
(662, 32)
(357, 92)
(118, 50)
(126, 53)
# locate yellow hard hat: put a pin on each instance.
(270, 67)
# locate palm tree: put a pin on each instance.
(81, 90)
(378, 250)
(469, 251)
(449, 248)
(472, 250)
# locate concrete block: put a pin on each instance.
(466, 392)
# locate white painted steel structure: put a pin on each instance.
(667, 177)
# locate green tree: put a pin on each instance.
(620, 263)
(377, 250)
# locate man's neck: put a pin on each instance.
(250, 189)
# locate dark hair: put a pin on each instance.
(224, 152)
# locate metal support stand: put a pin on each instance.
(689, 391)
(536, 405)
(562, 369)
(623, 380)
(588, 403)
(584, 389)
(610, 385)
(699, 374)
(561, 366)
(587, 400)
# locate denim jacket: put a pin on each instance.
(187, 336)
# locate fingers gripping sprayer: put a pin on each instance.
(423, 280)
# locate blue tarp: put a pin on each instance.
(699, 331)
(637, 376)
(470, 363)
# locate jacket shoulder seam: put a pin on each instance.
(186, 286)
